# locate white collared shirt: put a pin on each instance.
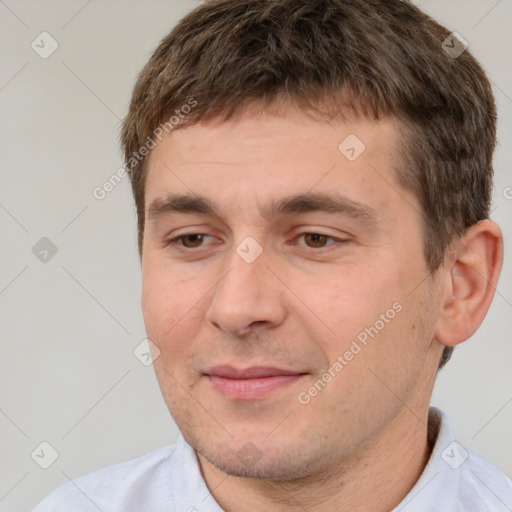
(170, 480)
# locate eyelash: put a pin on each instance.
(174, 241)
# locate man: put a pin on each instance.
(312, 180)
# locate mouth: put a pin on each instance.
(257, 382)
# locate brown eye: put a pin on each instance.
(316, 240)
(195, 240)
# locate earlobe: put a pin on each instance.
(470, 272)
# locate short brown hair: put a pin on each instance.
(373, 58)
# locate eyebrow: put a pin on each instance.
(295, 204)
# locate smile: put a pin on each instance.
(251, 383)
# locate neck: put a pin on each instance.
(378, 478)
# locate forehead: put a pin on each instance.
(262, 158)
(257, 132)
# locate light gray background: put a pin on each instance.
(69, 326)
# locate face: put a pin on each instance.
(284, 284)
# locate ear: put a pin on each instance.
(469, 277)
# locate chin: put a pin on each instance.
(262, 460)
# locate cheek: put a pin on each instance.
(354, 301)
(173, 309)
(163, 301)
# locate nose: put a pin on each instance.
(249, 297)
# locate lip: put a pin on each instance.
(251, 383)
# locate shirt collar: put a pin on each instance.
(189, 490)
(437, 486)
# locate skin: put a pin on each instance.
(299, 306)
